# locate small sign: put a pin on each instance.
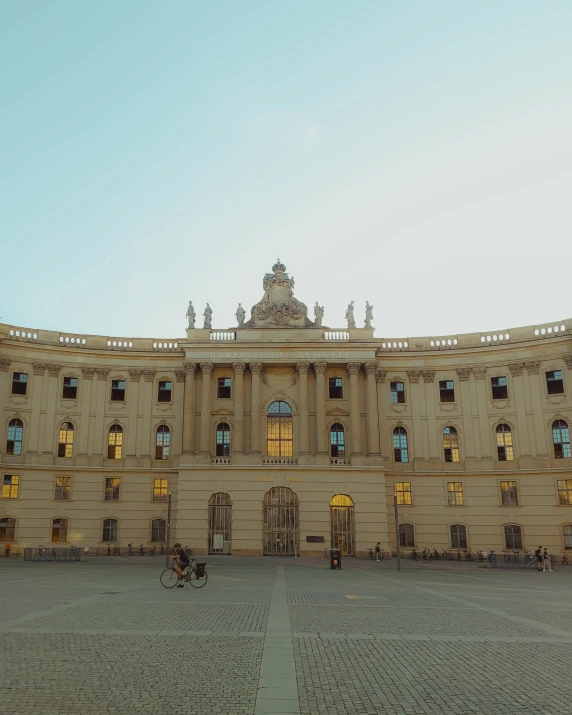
(314, 539)
(294, 479)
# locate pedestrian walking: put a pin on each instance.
(538, 555)
(378, 551)
(7, 550)
(546, 561)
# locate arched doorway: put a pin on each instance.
(280, 524)
(220, 524)
(342, 524)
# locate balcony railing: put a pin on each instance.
(279, 460)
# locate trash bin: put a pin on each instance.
(335, 559)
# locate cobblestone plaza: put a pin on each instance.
(284, 636)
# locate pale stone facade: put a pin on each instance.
(479, 422)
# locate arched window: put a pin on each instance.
(162, 442)
(158, 531)
(513, 536)
(400, 448)
(451, 444)
(279, 430)
(115, 442)
(567, 533)
(109, 530)
(504, 443)
(337, 441)
(220, 523)
(15, 437)
(59, 530)
(406, 535)
(561, 439)
(222, 440)
(458, 536)
(7, 528)
(65, 446)
(281, 523)
(342, 524)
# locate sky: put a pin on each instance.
(417, 155)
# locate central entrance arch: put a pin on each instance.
(280, 522)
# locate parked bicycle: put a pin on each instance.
(413, 555)
(564, 560)
(116, 550)
(195, 574)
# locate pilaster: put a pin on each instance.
(131, 437)
(516, 370)
(189, 408)
(302, 368)
(206, 370)
(434, 446)
(39, 371)
(86, 388)
(353, 369)
(321, 428)
(238, 369)
(372, 413)
(255, 372)
(53, 374)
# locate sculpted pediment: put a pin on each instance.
(337, 412)
(222, 411)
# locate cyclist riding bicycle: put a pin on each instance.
(182, 562)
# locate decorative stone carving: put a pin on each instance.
(279, 381)
(135, 375)
(255, 367)
(318, 314)
(207, 368)
(532, 367)
(238, 368)
(350, 316)
(191, 315)
(39, 368)
(303, 367)
(371, 368)
(516, 369)
(320, 368)
(102, 373)
(278, 307)
(180, 375)
(54, 370)
(208, 315)
(148, 375)
(568, 361)
(368, 315)
(414, 376)
(190, 368)
(428, 375)
(87, 372)
(380, 375)
(353, 368)
(464, 373)
(480, 373)
(240, 315)
(5, 364)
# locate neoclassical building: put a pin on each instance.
(282, 436)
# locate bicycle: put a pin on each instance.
(564, 560)
(116, 550)
(195, 574)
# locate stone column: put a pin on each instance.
(386, 438)
(39, 370)
(536, 433)
(189, 408)
(85, 392)
(178, 397)
(353, 369)
(255, 371)
(415, 440)
(238, 446)
(372, 414)
(146, 434)
(4, 367)
(321, 429)
(464, 376)
(207, 370)
(303, 368)
(100, 440)
(516, 372)
(434, 448)
(53, 372)
(131, 436)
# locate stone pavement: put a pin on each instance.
(284, 636)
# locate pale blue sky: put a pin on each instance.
(415, 154)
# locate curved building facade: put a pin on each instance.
(281, 436)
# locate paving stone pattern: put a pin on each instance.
(286, 637)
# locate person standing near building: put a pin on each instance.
(378, 551)
(546, 561)
(538, 556)
(7, 550)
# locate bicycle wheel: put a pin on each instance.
(169, 577)
(198, 582)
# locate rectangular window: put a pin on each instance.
(112, 488)
(165, 391)
(10, 486)
(509, 493)
(63, 488)
(455, 493)
(565, 491)
(19, 383)
(446, 390)
(397, 393)
(336, 386)
(223, 387)
(403, 490)
(160, 489)
(500, 388)
(70, 388)
(554, 383)
(118, 390)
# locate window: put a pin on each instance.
(509, 494)
(115, 442)
(162, 442)
(451, 444)
(118, 390)
(109, 530)
(19, 383)
(565, 491)
(400, 449)
(336, 387)
(337, 440)
(455, 494)
(403, 491)
(458, 536)
(63, 488)
(513, 536)
(165, 391)
(397, 393)
(504, 443)
(554, 383)
(10, 486)
(446, 390)
(223, 387)
(158, 530)
(15, 437)
(279, 430)
(70, 388)
(160, 489)
(7, 529)
(65, 446)
(223, 440)
(112, 488)
(560, 439)
(406, 535)
(567, 533)
(59, 530)
(499, 387)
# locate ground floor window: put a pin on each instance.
(513, 536)
(458, 536)
(280, 523)
(407, 535)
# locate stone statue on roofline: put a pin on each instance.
(240, 315)
(368, 315)
(208, 314)
(191, 315)
(318, 313)
(350, 315)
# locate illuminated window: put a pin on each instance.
(451, 444)
(565, 491)
(567, 533)
(407, 535)
(396, 393)
(458, 536)
(70, 388)
(165, 391)
(455, 494)
(19, 383)
(279, 430)
(65, 446)
(504, 443)
(162, 442)
(7, 529)
(109, 530)
(337, 441)
(446, 390)
(554, 383)
(342, 524)
(499, 387)
(59, 530)
(336, 388)
(10, 486)
(158, 530)
(513, 536)
(15, 437)
(400, 448)
(223, 387)
(112, 488)
(63, 488)
(160, 489)
(118, 390)
(403, 491)
(509, 494)
(560, 439)
(115, 442)
(222, 440)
